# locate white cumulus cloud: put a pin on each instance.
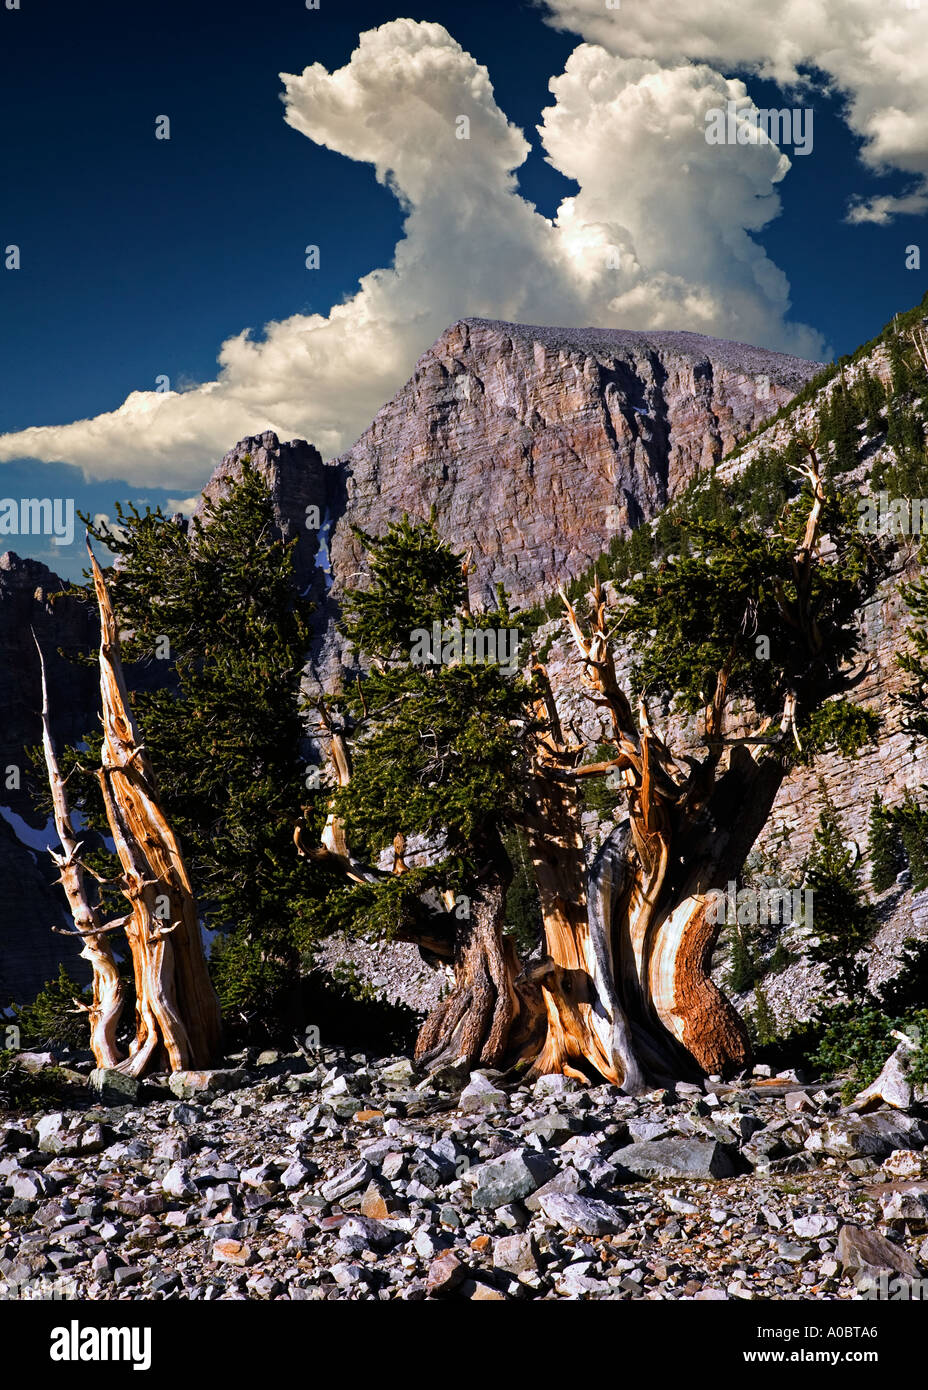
(659, 236)
(873, 52)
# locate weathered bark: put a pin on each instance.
(627, 990)
(626, 983)
(106, 1009)
(473, 1025)
(177, 1012)
(588, 1033)
(490, 1012)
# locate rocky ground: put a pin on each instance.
(341, 1176)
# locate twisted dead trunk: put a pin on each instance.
(106, 1009)
(626, 985)
(177, 1012)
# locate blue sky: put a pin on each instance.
(140, 258)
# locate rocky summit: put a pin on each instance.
(331, 1175)
(536, 446)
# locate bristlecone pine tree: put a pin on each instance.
(176, 1009)
(458, 752)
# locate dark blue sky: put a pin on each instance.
(140, 256)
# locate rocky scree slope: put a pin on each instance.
(336, 1176)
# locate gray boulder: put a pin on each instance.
(583, 1214)
(672, 1158)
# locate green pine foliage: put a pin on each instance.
(884, 847)
(871, 403)
(842, 920)
(780, 959)
(690, 614)
(761, 1021)
(414, 582)
(743, 970)
(897, 327)
(24, 1092)
(839, 724)
(439, 747)
(55, 1018)
(911, 821)
(855, 1037)
(914, 661)
(840, 417)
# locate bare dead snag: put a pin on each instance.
(919, 339)
(333, 835)
(177, 1012)
(106, 1009)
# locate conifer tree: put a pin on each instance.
(765, 1027)
(883, 847)
(911, 819)
(842, 921)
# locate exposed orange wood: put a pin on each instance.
(177, 1012)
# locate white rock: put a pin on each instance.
(178, 1183)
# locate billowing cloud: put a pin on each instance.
(658, 236)
(633, 135)
(872, 53)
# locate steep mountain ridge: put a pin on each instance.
(537, 445)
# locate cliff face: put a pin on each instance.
(297, 479)
(537, 445)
